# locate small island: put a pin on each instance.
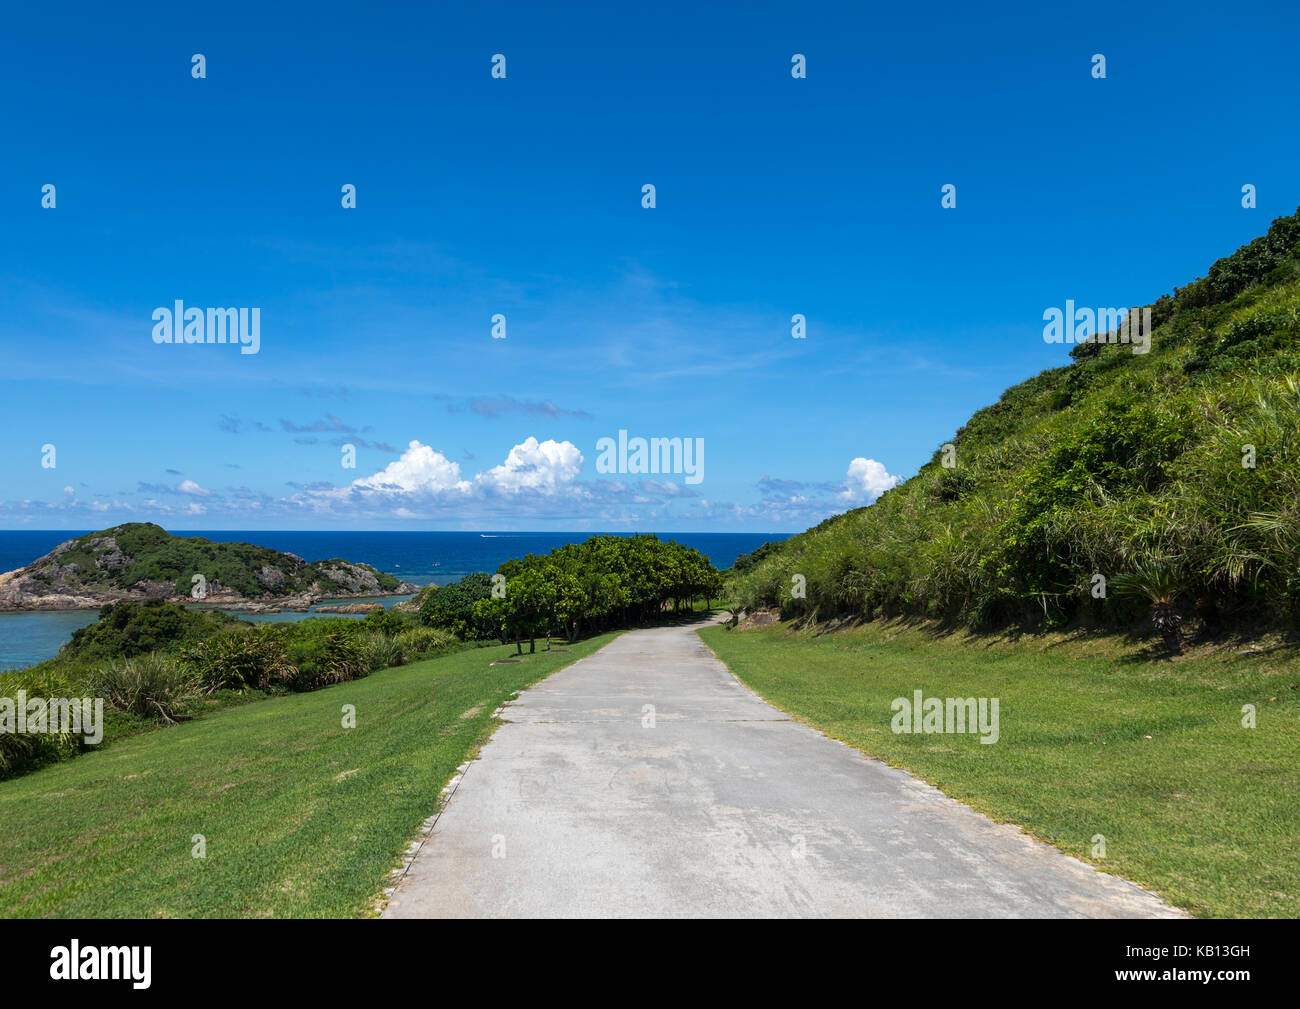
(142, 561)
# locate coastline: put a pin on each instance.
(56, 602)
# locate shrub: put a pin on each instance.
(1159, 584)
(381, 651)
(422, 640)
(325, 658)
(150, 686)
(133, 628)
(384, 622)
(238, 660)
(22, 753)
(452, 606)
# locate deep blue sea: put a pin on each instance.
(422, 558)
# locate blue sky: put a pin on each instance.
(522, 196)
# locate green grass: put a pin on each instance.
(1204, 812)
(302, 817)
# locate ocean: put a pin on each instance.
(422, 558)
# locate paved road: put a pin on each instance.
(725, 807)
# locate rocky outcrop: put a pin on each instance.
(344, 578)
(413, 604)
(270, 577)
(293, 604)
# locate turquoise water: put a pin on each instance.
(28, 638)
(422, 558)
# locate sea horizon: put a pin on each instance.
(17, 545)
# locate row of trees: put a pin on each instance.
(575, 590)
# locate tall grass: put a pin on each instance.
(150, 686)
(24, 752)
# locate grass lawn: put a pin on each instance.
(301, 816)
(1095, 739)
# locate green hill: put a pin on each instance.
(1178, 468)
(140, 560)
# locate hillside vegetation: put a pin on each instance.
(1177, 471)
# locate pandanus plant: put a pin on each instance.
(1160, 584)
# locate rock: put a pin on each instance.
(352, 608)
(270, 577)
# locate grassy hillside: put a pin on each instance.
(301, 816)
(144, 559)
(1180, 466)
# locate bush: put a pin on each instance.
(422, 640)
(381, 651)
(384, 622)
(319, 660)
(452, 606)
(240, 660)
(133, 628)
(22, 753)
(150, 686)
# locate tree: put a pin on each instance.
(601, 583)
(529, 601)
(1161, 585)
(452, 606)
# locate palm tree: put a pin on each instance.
(1161, 585)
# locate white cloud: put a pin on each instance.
(866, 480)
(546, 468)
(420, 470)
(424, 483)
(537, 482)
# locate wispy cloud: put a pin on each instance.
(329, 424)
(233, 425)
(495, 406)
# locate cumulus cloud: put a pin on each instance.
(420, 470)
(866, 480)
(191, 488)
(541, 467)
(535, 478)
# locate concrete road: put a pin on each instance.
(724, 807)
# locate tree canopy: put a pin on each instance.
(577, 589)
